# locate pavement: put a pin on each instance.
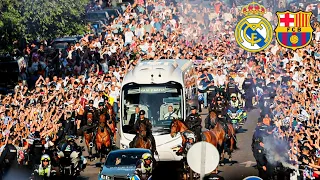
(242, 164)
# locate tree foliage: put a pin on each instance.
(40, 19)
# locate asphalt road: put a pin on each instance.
(242, 159)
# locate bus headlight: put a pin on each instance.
(124, 146)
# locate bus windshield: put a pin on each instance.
(162, 103)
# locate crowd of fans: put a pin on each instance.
(95, 66)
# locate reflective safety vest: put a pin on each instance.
(234, 103)
(44, 171)
(145, 170)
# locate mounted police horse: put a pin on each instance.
(103, 137)
(225, 143)
(142, 141)
(87, 132)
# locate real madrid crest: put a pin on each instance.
(253, 32)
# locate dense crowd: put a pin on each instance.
(94, 68)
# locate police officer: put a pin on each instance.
(265, 103)
(148, 124)
(61, 132)
(260, 81)
(258, 150)
(88, 124)
(36, 149)
(272, 87)
(263, 130)
(193, 121)
(8, 158)
(250, 91)
(101, 109)
(69, 124)
(221, 110)
(232, 88)
(90, 109)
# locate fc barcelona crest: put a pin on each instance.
(294, 30)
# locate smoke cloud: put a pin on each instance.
(277, 151)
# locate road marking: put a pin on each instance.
(248, 163)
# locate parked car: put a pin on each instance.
(121, 164)
(62, 43)
(103, 15)
(115, 11)
(100, 15)
(9, 73)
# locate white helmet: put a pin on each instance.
(191, 136)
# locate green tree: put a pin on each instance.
(40, 19)
(11, 23)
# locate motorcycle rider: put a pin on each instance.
(36, 149)
(144, 167)
(190, 140)
(45, 169)
(148, 124)
(193, 121)
(232, 88)
(221, 111)
(70, 149)
(234, 102)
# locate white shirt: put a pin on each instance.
(128, 35)
(317, 36)
(105, 67)
(172, 116)
(96, 102)
(220, 80)
(239, 81)
(115, 94)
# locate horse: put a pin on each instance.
(178, 126)
(88, 136)
(103, 139)
(112, 121)
(142, 141)
(228, 144)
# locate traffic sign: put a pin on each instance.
(252, 178)
(203, 158)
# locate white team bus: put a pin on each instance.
(153, 86)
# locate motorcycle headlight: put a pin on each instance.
(105, 177)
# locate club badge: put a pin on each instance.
(294, 30)
(253, 33)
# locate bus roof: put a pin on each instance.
(158, 71)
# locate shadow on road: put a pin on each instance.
(167, 170)
(242, 131)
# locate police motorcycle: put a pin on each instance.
(70, 157)
(44, 170)
(235, 114)
(190, 140)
